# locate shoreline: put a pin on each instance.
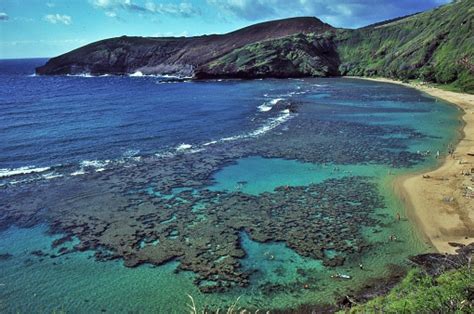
(435, 199)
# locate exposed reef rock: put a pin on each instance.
(5, 256)
(160, 208)
(437, 263)
(434, 264)
(201, 228)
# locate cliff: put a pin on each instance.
(177, 56)
(435, 46)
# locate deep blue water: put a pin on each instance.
(55, 120)
(48, 121)
(142, 159)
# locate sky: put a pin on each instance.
(47, 28)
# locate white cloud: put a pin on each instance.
(348, 13)
(50, 4)
(111, 7)
(3, 16)
(58, 18)
(183, 9)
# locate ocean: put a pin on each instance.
(133, 193)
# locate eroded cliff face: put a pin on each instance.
(177, 56)
(292, 56)
(435, 46)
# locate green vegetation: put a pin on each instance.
(295, 55)
(436, 46)
(451, 292)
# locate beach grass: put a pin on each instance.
(451, 292)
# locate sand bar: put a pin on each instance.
(441, 201)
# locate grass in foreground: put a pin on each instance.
(451, 292)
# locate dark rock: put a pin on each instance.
(171, 55)
(39, 253)
(5, 256)
(436, 263)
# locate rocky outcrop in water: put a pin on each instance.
(437, 263)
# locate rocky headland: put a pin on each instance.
(434, 46)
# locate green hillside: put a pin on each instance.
(435, 46)
(291, 56)
(451, 292)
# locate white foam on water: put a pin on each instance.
(275, 101)
(268, 126)
(87, 166)
(271, 124)
(131, 153)
(81, 75)
(209, 143)
(51, 175)
(183, 147)
(136, 74)
(78, 172)
(165, 155)
(264, 107)
(160, 76)
(95, 163)
(8, 172)
(267, 106)
(195, 150)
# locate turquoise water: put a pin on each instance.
(254, 175)
(77, 283)
(317, 147)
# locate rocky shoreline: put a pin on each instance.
(433, 264)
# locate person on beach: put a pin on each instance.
(398, 216)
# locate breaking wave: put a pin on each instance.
(267, 106)
(22, 170)
(28, 174)
(183, 147)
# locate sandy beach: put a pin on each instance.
(441, 201)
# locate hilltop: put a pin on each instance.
(171, 55)
(435, 46)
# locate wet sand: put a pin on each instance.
(441, 201)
